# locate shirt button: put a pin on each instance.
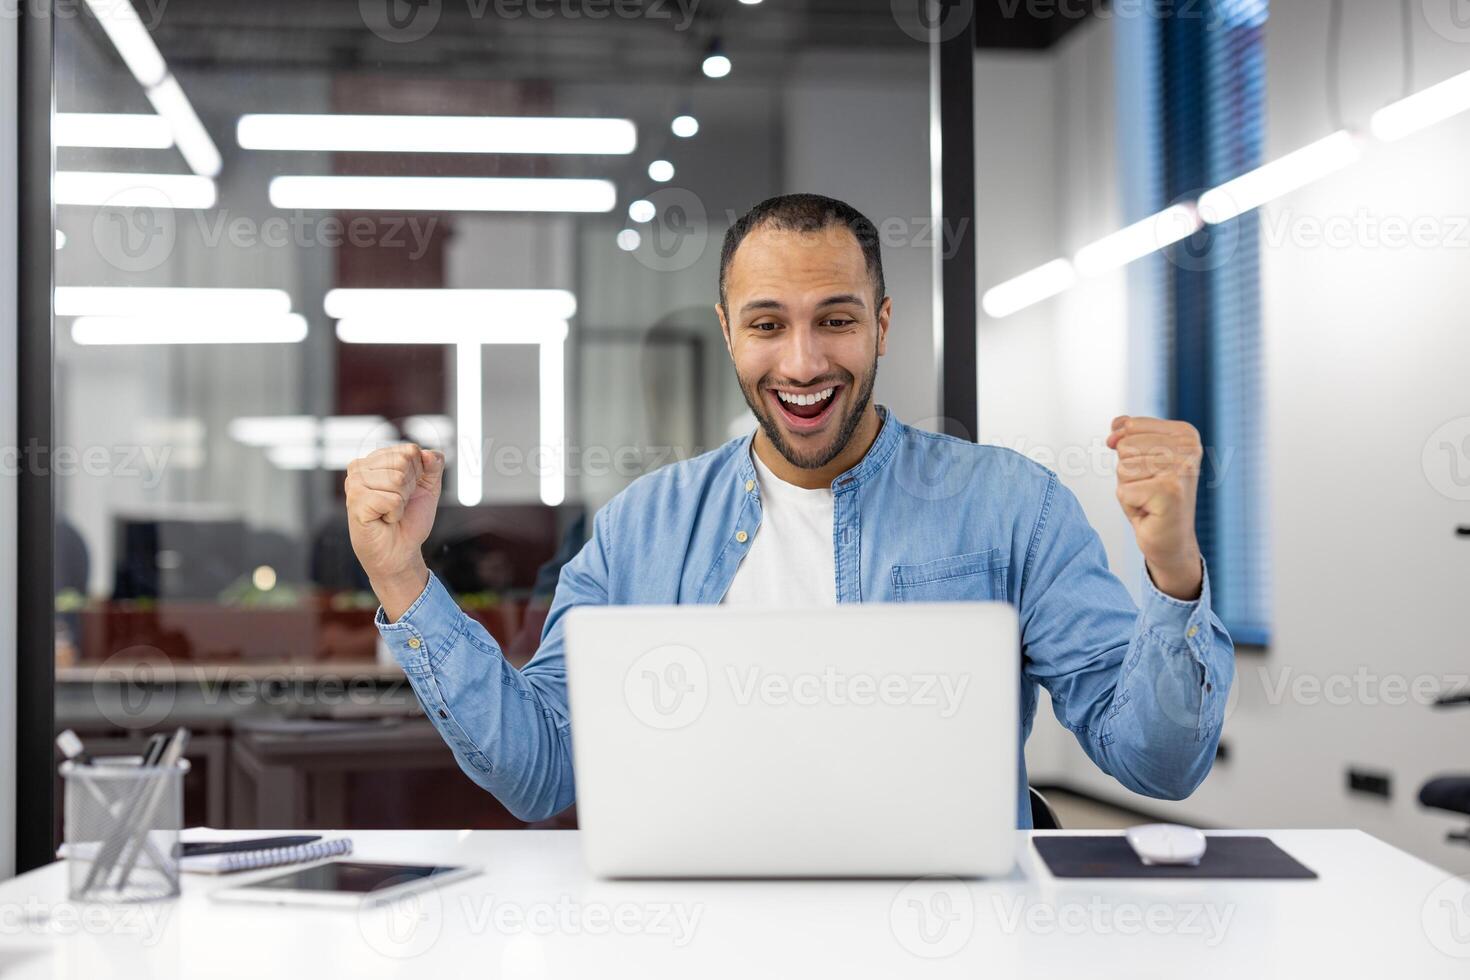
(1191, 631)
(742, 537)
(749, 485)
(415, 643)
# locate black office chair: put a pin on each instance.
(1043, 817)
(1452, 794)
(1449, 793)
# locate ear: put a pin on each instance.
(725, 329)
(885, 311)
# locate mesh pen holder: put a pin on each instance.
(121, 830)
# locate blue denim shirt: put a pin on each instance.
(922, 517)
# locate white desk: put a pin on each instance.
(1374, 912)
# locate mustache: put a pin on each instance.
(836, 379)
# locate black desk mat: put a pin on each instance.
(1110, 857)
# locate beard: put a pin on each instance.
(815, 459)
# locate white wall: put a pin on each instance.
(1052, 377)
(1366, 349)
(9, 256)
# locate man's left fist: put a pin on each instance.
(1158, 473)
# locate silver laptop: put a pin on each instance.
(860, 740)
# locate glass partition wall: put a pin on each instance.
(290, 233)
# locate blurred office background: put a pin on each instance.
(556, 336)
(203, 571)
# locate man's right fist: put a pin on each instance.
(391, 498)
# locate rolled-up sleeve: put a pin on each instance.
(1143, 691)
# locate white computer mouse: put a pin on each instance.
(1166, 843)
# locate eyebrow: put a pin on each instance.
(840, 299)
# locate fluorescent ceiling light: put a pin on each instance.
(133, 42)
(628, 239)
(684, 126)
(433, 431)
(95, 188)
(169, 301)
(1280, 177)
(307, 442)
(121, 130)
(469, 406)
(306, 457)
(1028, 288)
(332, 193)
(409, 305)
(717, 66)
(553, 423)
(270, 430)
(468, 331)
(331, 457)
(1432, 105)
(469, 319)
(469, 479)
(353, 430)
(436, 134)
(310, 457)
(661, 171)
(1137, 240)
(289, 328)
(193, 140)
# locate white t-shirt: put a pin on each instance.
(791, 561)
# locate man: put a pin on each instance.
(832, 500)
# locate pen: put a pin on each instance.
(158, 788)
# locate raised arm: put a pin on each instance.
(508, 729)
(1143, 691)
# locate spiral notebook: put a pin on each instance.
(270, 857)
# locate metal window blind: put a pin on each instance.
(1213, 96)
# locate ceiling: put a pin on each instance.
(560, 40)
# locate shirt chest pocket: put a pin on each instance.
(973, 577)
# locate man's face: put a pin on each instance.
(805, 336)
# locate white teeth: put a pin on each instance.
(811, 399)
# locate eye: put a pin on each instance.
(765, 327)
(838, 321)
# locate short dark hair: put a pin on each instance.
(805, 213)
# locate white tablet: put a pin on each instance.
(345, 883)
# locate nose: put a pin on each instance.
(804, 356)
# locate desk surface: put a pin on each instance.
(1374, 912)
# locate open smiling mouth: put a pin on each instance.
(806, 411)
